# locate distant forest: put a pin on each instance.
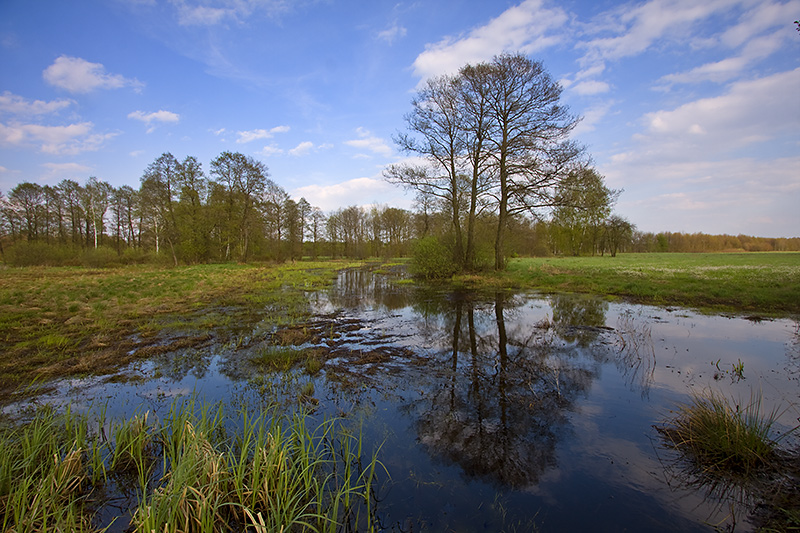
(180, 215)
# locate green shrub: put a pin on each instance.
(135, 256)
(432, 259)
(101, 257)
(35, 253)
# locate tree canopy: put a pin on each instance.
(495, 139)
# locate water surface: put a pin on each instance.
(497, 412)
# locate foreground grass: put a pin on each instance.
(766, 283)
(729, 450)
(722, 438)
(188, 473)
(66, 321)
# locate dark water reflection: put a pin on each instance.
(497, 406)
(500, 411)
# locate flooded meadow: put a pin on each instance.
(486, 411)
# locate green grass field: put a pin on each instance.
(763, 283)
(74, 320)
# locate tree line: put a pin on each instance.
(183, 215)
(178, 215)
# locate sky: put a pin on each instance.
(691, 107)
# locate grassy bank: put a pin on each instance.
(762, 283)
(66, 321)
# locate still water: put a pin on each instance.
(507, 411)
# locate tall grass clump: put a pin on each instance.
(723, 438)
(275, 474)
(198, 470)
(46, 474)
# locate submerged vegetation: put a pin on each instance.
(188, 472)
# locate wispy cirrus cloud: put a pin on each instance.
(392, 33)
(77, 75)
(57, 140)
(254, 135)
(17, 105)
(632, 29)
(213, 12)
(730, 67)
(367, 141)
(154, 118)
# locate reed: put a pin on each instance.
(44, 475)
(721, 436)
(262, 472)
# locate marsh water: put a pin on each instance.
(504, 411)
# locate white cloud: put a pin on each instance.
(526, 28)
(202, 15)
(17, 105)
(713, 161)
(157, 116)
(751, 111)
(392, 33)
(590, 87)
(762, 17)
(66, 169)
(254, 135)
(741, 195)
(638, 27)
(270, 150)
(302, 149)
(731, 67)
(359, 191)
(218, 11)
(630, 30)
(58, 140)
(367, 141)
(77, 75)
(592, 117)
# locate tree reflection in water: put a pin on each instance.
(499, 400)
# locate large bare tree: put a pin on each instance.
(496, 136)
(436, 132)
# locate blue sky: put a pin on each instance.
(692, 108)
